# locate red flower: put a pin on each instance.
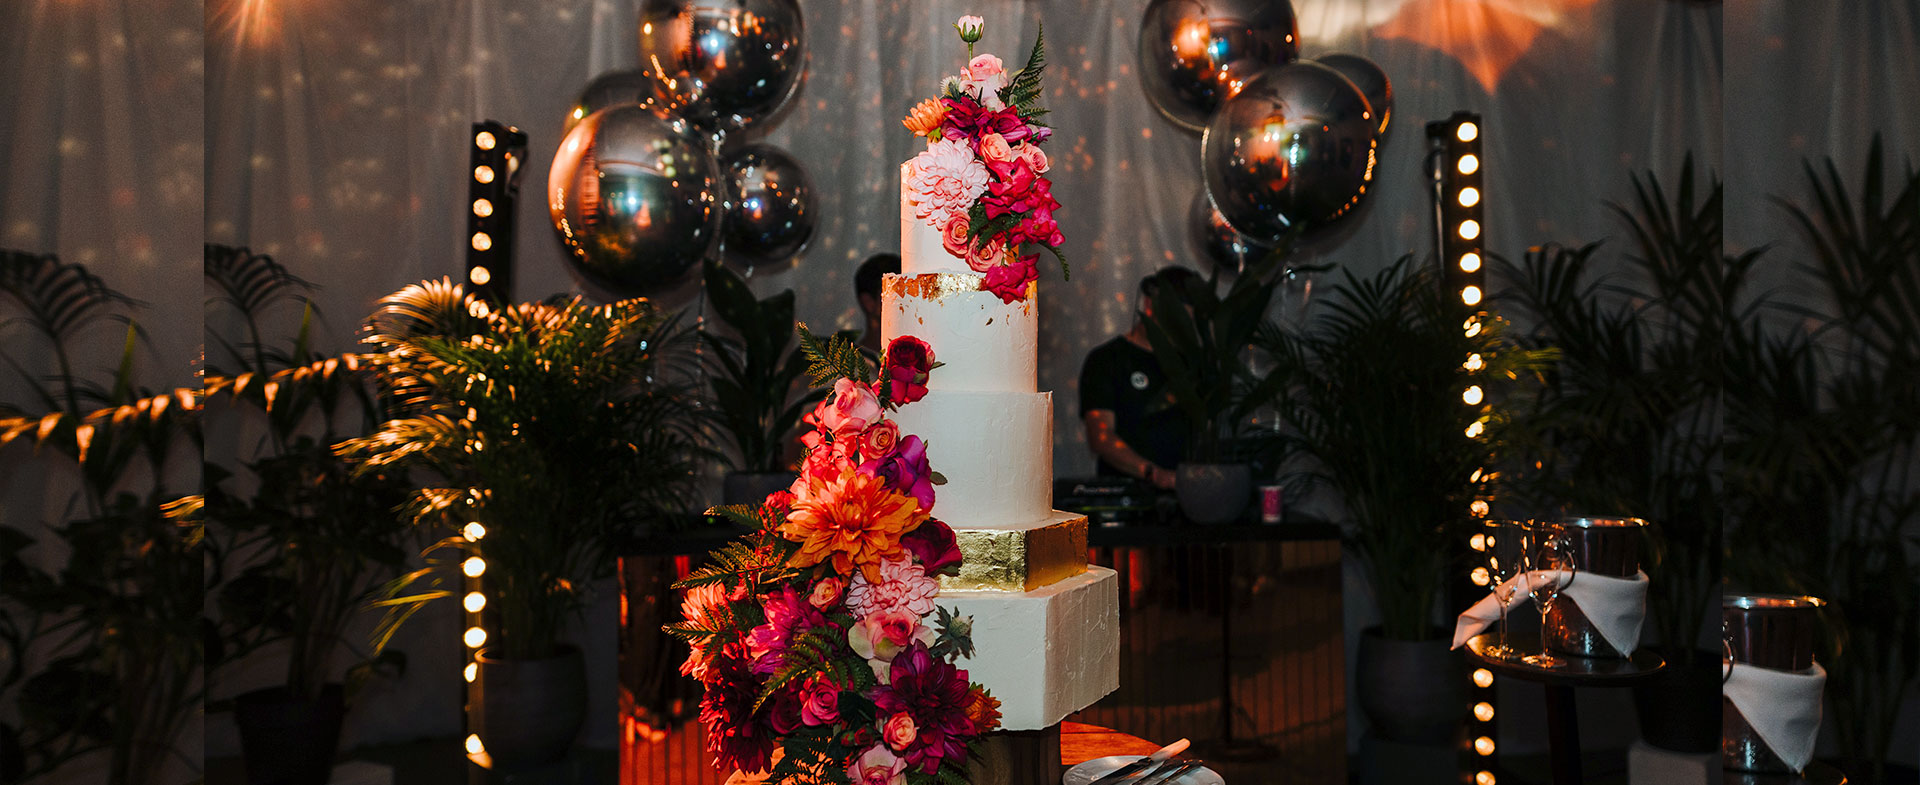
(967, 119)
(1009, 281)
(737, 738)
(908, 362)
(936, 696)
(935, 546)
(1017, 188)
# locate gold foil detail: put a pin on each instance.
(1019, 560)
(940, 286)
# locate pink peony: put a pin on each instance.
(994, 148)
(953, 236)
(944, 180)
(878, 766)
(827, 592)
(819, 702)
(879, 440)
(850, 410)
(904, 584)
(898, 730)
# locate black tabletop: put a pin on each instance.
(1579, 671)
(1816, 774)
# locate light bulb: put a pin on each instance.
(1474, 430)
(1474, 363)
(1483, 711)
(473, 531)
(483, 174)
(1482, 678)
(474, 601)
(1469, 196)
(1467, 132)
(484, 140)
(1477, 542)
(1479, 576)
(1472, 396)
(1470, 295)
(474, 747)
(1483, 778)
(479, 275)
(473, 566)
(1483, 745)
(471, 672)
(1469, 229)
(1469, 163)
(1478, 508)
(482, 208)
(481, 241)
(1470, 262)
(475, 637)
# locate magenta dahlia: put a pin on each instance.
(788, 614)
(937, 697)
(737, 738)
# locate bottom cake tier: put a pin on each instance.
(1045, 653)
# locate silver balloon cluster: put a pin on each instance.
(1288, 145)
(641, 191)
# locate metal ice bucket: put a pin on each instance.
(1772, 631)
(1601, 546)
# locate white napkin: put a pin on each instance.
(1616, 606)
(1782, 706)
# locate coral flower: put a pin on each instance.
(853, 519)
(924, 118)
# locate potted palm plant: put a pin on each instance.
(753, 376)
(1629, 423)
(1202, 340)
(1823, 449)
(299, 556)
(102, 653)
(542, 432)
(1374, 408)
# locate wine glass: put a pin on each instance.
(1501, 542)
(1546, 547)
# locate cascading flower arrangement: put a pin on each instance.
(817, 634)
(982, 181)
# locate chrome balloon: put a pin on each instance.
(633, 196)
(1372, 81)
(1216, 241)
(1296, 145)
(769, 214)
(613, 88)
(1193, 54)
(722, 64)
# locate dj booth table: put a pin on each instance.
(1231, 635)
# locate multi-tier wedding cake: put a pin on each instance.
(1045, 623)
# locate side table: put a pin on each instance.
(1563, 722)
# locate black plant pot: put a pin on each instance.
(287, 739)
(530, 710)
(753, 487)
(1679, 708)
(1214, 492)
(1413, 692)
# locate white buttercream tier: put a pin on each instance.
(1045, 653)
(984, 344)
(994, 448)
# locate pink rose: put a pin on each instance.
(878, 766)
(883, 635)
(899, 731)
(981, 259)
(1034, 156)
(827, 591)
(984, 67)
(852, 408)
(820, 702)
(994, 147)
(953, 236)
(879, 440)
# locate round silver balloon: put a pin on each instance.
(613, 88)
(1295, 146)
(635, 199)
(1372, 81)
(722, 64)
(1216, 241)
(1194, 54)
(769, 214)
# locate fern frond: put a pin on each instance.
(1024, 90)
(836, 359)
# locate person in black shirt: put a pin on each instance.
(866, 289)
(1131, 422)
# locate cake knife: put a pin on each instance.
(1158, 757)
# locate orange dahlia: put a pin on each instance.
(852, 518)
(924, 119)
